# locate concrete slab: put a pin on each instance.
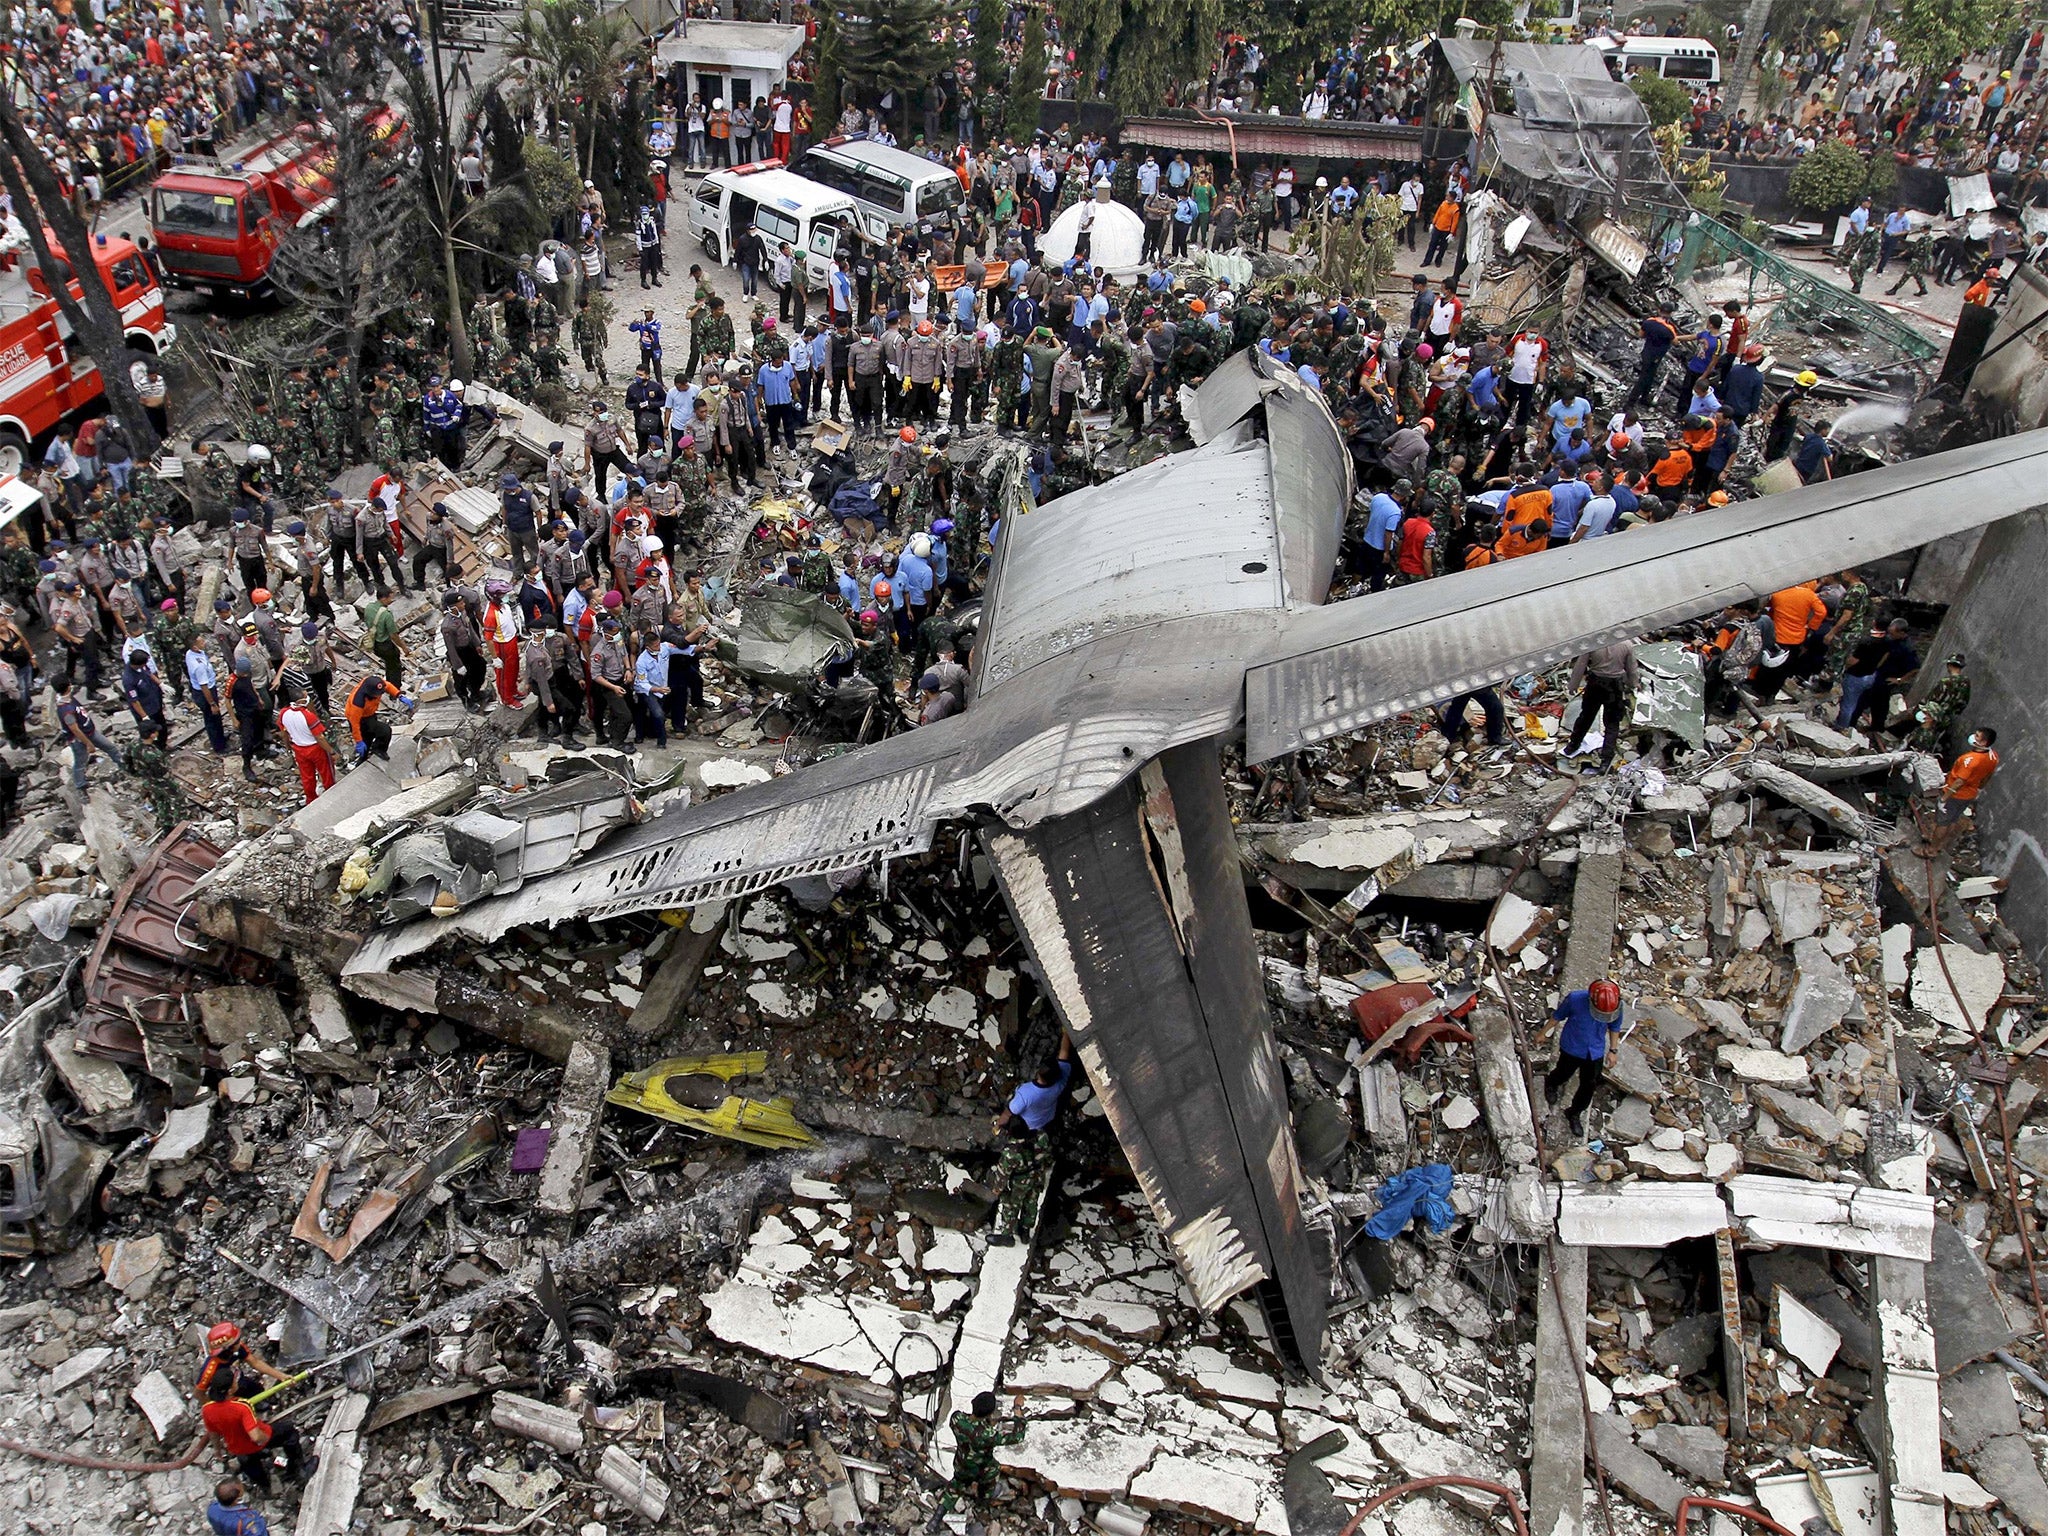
(578, 1107)
(1963, 1307)
(1632, 1469)
(1557, 1418)
(1596, 897)
(1080, 1458)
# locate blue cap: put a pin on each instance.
(241, 516)
(508, 480)
(46, 566)
(310, 629)
(294, 529)
(334, 493)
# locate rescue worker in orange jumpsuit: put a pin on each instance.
(369, 730)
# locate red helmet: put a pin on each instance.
(221, 1335)
(1605, 997)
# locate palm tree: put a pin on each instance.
(571, 51)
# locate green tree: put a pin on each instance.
(1830, 179)
(991, 80)
(893, 45)
(1933, 32)
(1141, 49)
(1666, 101)
(1027, 80)
(571, 52)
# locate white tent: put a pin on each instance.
(1116, 244)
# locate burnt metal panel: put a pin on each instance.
(1136, 918)
(1340, 668)
(150, 956)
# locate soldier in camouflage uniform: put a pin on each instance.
(170, 632)
(1919, 260)
(710, 333)
(1939, 711)
(877, 663)
(412, 427)
(551, 362)
(1114, 353)
(547, 322)
(589, 336)
(481, 329)
(387, 444)
(147, 762)
(691, 472)
(976, 1435)
(1863, 251)
(1006, 369)
(816, 574)
(1852, 622)
(1444, 494)
(1249, 324)
(18, 572)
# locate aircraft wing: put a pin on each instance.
(1339, 668)
(880, 802)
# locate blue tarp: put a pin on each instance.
(1424, 1191)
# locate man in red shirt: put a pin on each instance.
(248, 1439)
(1415, 551)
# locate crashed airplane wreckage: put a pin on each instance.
(1131, 630)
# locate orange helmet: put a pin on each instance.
(924, 327)
(1197, 307)
(260, 596)
(221, 1335)
(908, 434)
(882, 590)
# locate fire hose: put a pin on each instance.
(102, 1464)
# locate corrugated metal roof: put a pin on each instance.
(1301, 138)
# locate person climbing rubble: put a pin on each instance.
(1589, 1016)
(977, 1433)
(253, 1443)
(1024, 1126)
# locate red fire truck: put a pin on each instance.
(217, 221)
(44, 376)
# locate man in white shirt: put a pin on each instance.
(1411, 208)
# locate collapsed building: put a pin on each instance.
(627, 1143)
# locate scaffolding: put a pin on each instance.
(1781, 297)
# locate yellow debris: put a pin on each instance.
(769, 1123)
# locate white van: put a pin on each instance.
(892, 186)
(779, 203)
(1692, 61)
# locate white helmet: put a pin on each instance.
(455, 386)
(258, 454)
(650, 543)
(921, 547)
(718, 103)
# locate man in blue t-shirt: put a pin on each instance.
(1026, 1156)
(1589, 1015)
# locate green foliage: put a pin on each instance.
(1830, 179)
(1933, 32)
(1351, 256)
(1666, 101)
(1148, 46)
(1027, 81)
(571, 51)
(1693, 169)
(1883, 177)
(894, 46)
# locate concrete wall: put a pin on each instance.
(1996, 623)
